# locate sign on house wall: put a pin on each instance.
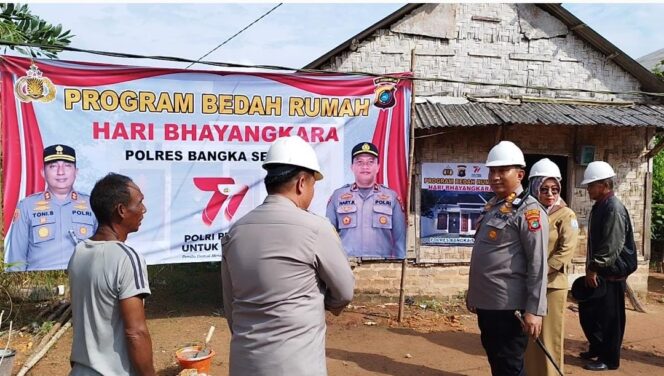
(453, 196)
(193, 141)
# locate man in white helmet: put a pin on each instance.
(508, 264)
(282, 267)
(610, 240)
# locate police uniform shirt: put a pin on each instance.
(371, 225)
(281, 267)
(508, 264)
(45, 230)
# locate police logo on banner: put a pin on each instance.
(384, 92)
(34, 87)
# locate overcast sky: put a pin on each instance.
(293, 35)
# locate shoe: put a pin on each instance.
(587, 355)
(596, 366)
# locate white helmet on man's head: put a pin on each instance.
(294, 151)
(598, 170)
(546, 168)
(506, 153)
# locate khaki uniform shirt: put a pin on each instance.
(563, 237)
(281, 267)
(508, 264)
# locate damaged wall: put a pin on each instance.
(517, 44)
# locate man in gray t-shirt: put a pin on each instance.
(108, 282)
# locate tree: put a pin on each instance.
(19, 25)
(658, 70)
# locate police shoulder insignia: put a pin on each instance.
(533, 219)
(532, 213)
(403, 207)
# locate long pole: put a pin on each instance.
(541, 345)
(404, 263)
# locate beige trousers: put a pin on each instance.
(553, 336)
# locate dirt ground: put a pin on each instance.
(367, 340)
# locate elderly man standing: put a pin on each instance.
(109, 281)
(610, 233)
(282, 267)
(509, 263)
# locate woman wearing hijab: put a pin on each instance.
(544, 184)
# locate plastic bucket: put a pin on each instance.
(185, 357)
(7, 357)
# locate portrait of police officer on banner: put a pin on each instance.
(369, 216)
(47, 225)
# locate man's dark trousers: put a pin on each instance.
(503, 340)
(603, 322)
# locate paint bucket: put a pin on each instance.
(7, 357)
(185, 357)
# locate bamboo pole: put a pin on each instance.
(404, 263)
(37, 357)
(634, 299)
(61, 320)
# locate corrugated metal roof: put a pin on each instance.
(437, 115)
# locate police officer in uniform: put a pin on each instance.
(369, 216)
(282, 267)
(47, 225)
(508, 264)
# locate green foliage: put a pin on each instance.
(658, 178)
(657, 226)
(658, 70)
(46, 327)
(19, 25)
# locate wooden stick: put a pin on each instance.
(61, 320)
(404, 263)
(37, 357)
(49, 307)
(58, 311)
(634, 299)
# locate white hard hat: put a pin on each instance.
(294, 151)
(505, 154)
(598, 170)
(545, 167)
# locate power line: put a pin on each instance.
(235, 35)
(360, 73)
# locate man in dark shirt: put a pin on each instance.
(609, 233)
